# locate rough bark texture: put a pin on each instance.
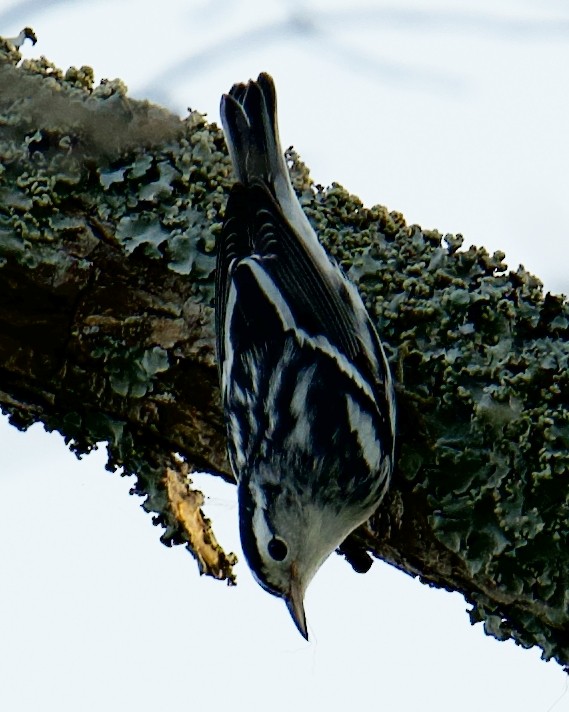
(108, 214)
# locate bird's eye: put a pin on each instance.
(277, 549)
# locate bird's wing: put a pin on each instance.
(267, 261)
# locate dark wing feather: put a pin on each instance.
(318, 306)
(254, 225)
(232, 245)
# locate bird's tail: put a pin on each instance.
(249, 118)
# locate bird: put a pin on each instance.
(307, 393)
(26, 34)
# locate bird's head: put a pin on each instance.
(286, 536)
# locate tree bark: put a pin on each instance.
(109, 210)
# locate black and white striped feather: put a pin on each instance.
(306, 386)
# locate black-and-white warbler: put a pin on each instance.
(306, 388)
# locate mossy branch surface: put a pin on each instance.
(109, 209)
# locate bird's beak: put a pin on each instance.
(295, 602)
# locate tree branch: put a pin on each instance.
(109, 210)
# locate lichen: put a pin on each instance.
(484, 356)
(84, 166)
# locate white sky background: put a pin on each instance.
(457, 115)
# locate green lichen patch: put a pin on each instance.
(99, 339)
(481, 357)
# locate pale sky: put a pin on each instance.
(455, 115)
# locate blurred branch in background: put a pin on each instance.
(20, 12)
(109, 209)
(326, 31)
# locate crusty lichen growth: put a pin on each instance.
(113, 206)
(100, 196)
(481, 358)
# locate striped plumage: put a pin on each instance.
(306, 388)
